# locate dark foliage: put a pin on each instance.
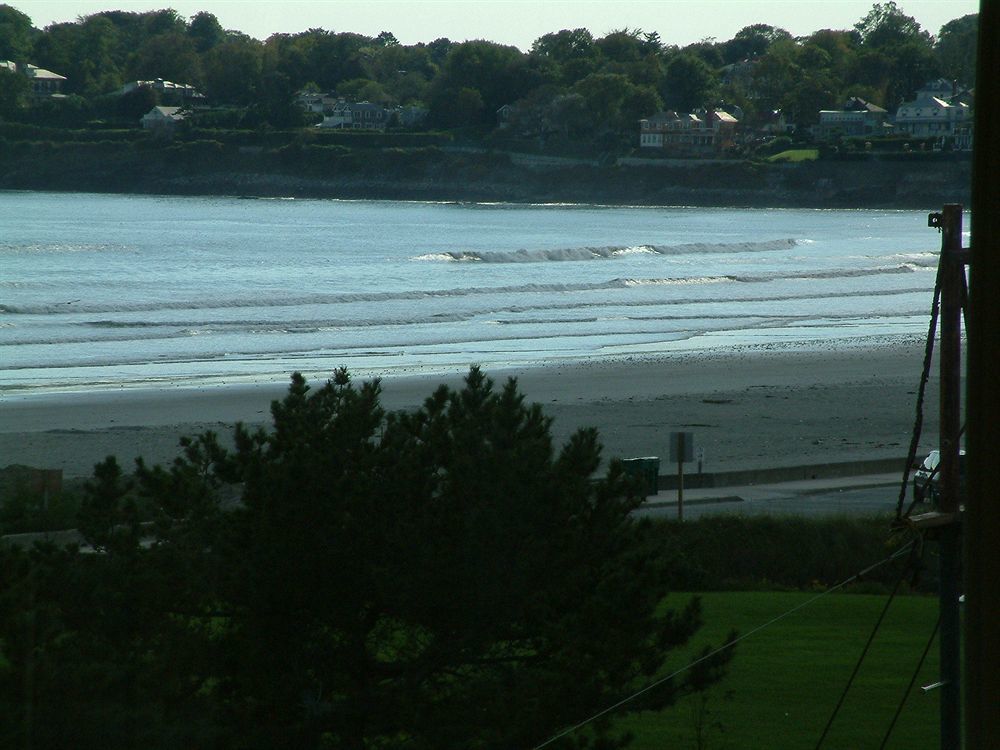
(463, 85)
(350, 578)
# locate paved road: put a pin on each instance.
(853, 496)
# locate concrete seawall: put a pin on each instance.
(780, 474)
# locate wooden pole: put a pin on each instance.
(680, 477)
(982, 510)
(952, 282)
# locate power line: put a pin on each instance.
(860, 574)
(925, 374)
(861, 658)
(906, 694)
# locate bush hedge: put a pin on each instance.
(761, 552)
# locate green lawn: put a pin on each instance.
(786, 679)
(796, 154)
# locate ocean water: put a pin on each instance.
(104, 291)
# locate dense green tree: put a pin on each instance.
(895, 56)
(409, 87)
(15, 92)
(89, 53)
(886, 25)
(956, 49)
(567, 55)
(386, 39)
(130, 107)
(206, 31)
(363, 90)
(688, 83)
(165, 21)
(170, 56)
(99, 52)
(840, 47)
(622, 46)
(316, 55)
(708, 50)
(232, 70)
(467, 108)
(398, 568)
(274, 103)
(613, 104)
(894, 73)
(72, 111)
(439, 49)
(567, 114)
(16, 34)
(437, 578)
(499, 73)
(751, 42)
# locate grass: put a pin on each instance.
(785, 680)
(796, 155)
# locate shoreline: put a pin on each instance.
(750, 407)
(923, 182)
(521, 202)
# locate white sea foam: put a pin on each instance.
(604, 253)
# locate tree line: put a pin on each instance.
(581, 85)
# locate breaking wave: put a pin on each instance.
(603, 253)
(77, 306)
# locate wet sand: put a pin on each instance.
(753, 407)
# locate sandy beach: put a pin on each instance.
(753, 407)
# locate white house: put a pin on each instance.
(929, 116)
(173, 92)
(163, 120)
(356, 116)
(857, 117)
(43, 82)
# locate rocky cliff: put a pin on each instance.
(914, 181)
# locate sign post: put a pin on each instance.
(681, 450)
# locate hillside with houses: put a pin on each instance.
(130, 85)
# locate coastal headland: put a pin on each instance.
(750, 407)
(314, 169)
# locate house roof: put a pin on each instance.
(165, 113)
(160, 85)
(939, 85)
(929, 101)
(668, 116)
(857, 104)
(31, 71)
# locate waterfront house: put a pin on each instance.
(44, 83)
(702, 133)
(356, 116)
(170, 92)
(162, 121)
(929, 115)
(856, 118)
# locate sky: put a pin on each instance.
(515, 22)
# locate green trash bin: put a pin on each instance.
(647, 469)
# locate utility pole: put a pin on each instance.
(953, 260)
(982, 512)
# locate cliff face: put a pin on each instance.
(207, 167)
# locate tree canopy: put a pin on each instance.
(883, 58)
(436, 578)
